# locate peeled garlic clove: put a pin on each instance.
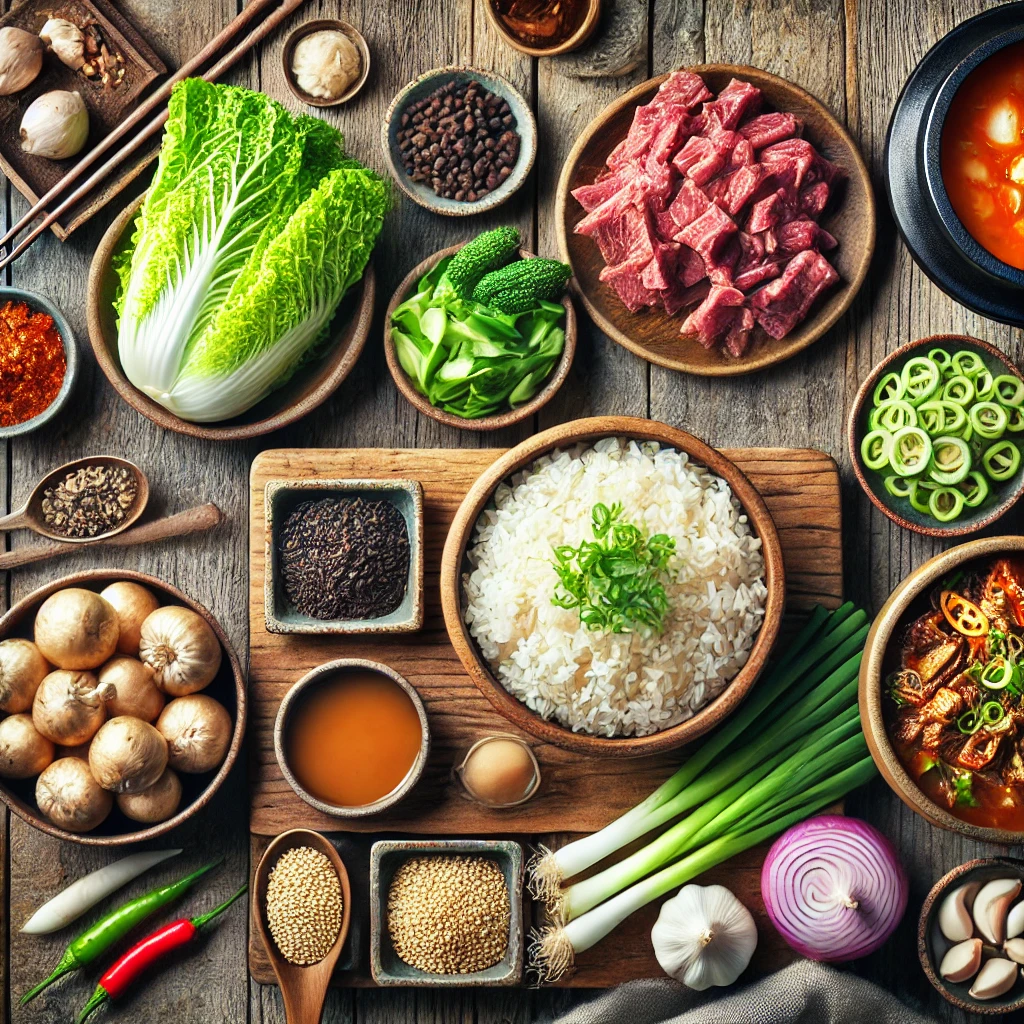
(994, 979)
(961, 961)
(1014, 949)
(1015, 921)
(21, 59)
(66, 40)
(55, 125)
(954, 914)
(990, 908)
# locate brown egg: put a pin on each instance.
(500, 771)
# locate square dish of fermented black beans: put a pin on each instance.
(461, 141)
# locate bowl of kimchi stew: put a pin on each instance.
(942, 690)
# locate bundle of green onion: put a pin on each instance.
(794, 748)
(936, 431)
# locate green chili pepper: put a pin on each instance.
(1001, 460)
(98, 938)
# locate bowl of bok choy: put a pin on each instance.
(506, 368)
(230, 304)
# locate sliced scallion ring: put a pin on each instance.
(888, 389)
(895, 415)
(992, 712)
(921, 378)
(899, 486)
(945, 504)
(920, 493)
(975, 489)
(1015, 419)
(875, 448)
(997, 674)
(910, 451)
(984, 386)
(941, 358)
(989, 420)
(959, 390)
(968, 362)
(969, 722)
(1009, 389)
(1001, 460)
(951, 460)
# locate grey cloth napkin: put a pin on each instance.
(805, 992)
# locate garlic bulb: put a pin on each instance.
(55, 125)
(325, 64)
(21, 59)
(66, 40)
(704, 936)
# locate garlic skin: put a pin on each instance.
(704, 936)
(55, 125)
(21, 59)
(66, 41)
(325, 64)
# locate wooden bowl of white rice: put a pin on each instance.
(607, 693)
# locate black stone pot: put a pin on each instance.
(934, 234)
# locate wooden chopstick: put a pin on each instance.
(181, 524)
(249, 13)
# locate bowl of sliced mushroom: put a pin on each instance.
(970, 937)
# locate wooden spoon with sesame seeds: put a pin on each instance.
(303, 988)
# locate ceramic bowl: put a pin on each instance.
(501, 419)
(387, 857)
(228, 687)
(937, 239)
(932, 944)
(454, 565)
(309, 388)
(281, 497)
(1003, 495)
(319, 25)
(319, 675)
(423, 86)
(44, 305)
(584, 31)
(872, 676)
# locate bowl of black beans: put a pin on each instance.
(459, 140)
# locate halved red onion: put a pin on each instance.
(834, 888)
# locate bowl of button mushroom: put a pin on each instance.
(122, 707)
(970, 936)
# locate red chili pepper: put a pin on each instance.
(146, 952)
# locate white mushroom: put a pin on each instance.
(990, 908)
(962, 961)
(994, 979)
(955, 913)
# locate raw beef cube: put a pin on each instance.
(789, 161)
(735, 103)
(689, 267)
(590, 197)
(625, 279)
(619, 233)
(814, 198)
(675, 129)
(675, 299)
(781, 304)
(765, 129)
(665, 226)
(715, 316)
(634, 147)
(709, 235)
(661, 271)
(742, 155)
(738, 338)
(690, 202)
(700, 153)
(682, 87)
(797, 236)
(721, 264)
(733, 191)
(775, 208)
(759, 273)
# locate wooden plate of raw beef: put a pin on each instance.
(717, 220)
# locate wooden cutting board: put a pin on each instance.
(578, 794)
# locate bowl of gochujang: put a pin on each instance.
(942, 690)
(38, 361)
(955, 163)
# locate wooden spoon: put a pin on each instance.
(30, 515)
(302, 988)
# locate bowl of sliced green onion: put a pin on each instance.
(936, 434)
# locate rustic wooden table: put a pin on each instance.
(854, 56)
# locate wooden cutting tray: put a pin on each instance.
(578, 794)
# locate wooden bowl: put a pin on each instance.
(573, 42)
(228, 687)
(651, 333)
(872, 667)
(310, 387)
(480, 495)
(498, 420)
(932, 944)
(424, 85)
(313, 679)
(1002, 497)
(326, 24)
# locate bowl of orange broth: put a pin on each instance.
(351, 737)
(955, 163)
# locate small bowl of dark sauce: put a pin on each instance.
(955, 163)
(544, 28)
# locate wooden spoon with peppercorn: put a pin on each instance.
(303, 986)
(83, 501)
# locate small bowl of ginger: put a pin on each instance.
(326, 62)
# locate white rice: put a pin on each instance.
(615, 684)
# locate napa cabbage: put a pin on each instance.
(254, 228)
